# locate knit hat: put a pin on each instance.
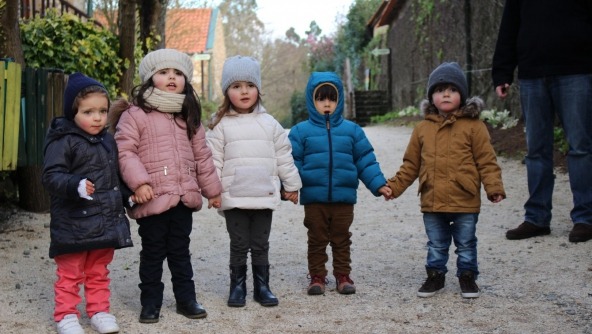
(240, 68)
(448, 73)
(165, 58)
(76, 82)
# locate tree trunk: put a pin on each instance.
(127, 42)
(152, 24)
(32, 195)
(10, 36)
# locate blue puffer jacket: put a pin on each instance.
(331, 153)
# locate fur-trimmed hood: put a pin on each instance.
(471, 109)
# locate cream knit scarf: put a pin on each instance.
(164, 101)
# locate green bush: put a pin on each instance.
(64, 42)
(409, 111)
(497, 118)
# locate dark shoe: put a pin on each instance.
(468, 287)
(238, 286)
(527, 230)
(317, 285)
(191, 309)
(580, 233)
(150, 314)
(262, 294)
(345, 285)
(434, 283)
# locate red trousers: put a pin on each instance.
(88, 268)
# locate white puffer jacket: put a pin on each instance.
(253, 156)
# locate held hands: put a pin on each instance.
(143, 194)
(386, 192)
(291, 196)
(215, 202)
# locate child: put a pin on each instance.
(164, 159)
(253, 156)
(88, 219)
(449, 151)
(331, 154)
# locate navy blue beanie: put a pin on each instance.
(448, 73)
(77, 82)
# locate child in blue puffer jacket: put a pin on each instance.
(332, 154)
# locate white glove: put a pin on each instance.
(82, 190)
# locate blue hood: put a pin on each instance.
(317, 78)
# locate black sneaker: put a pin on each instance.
(468, 287)
(433, 284)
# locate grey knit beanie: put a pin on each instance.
(165, 58)
(240, 68)
(448, 73)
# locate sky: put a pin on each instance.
(279, 15)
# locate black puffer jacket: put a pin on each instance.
(79, 224)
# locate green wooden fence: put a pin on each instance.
(43, 96)
(10, 102)
(29, 99)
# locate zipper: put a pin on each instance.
(328, 126)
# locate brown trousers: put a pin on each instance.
(328, 224)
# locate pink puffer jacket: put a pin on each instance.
(154, 149)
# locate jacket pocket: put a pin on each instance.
(467, 184)
(87, 222)
(251, 181)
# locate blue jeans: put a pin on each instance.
(441, 232)
(570, 99)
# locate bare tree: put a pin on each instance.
(243, 31)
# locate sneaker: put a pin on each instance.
(317, 285)
(527, 230)
(104, 323)
(580, 233)
(434, 283)
(345, 285)
(70, 325)
(468, 287)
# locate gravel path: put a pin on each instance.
(540, 285)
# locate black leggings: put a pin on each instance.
(248, 230)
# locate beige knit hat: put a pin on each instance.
(240, 68)
(165, 58)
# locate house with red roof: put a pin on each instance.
(199, 33)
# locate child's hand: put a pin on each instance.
(386, 192)
(143, 194)
(85, 189)
(496, 198)
(291, 196)
(90, 187)
(215, 202)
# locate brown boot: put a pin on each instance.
(345, 285)
(580, 233)
(317, 285)
(527, 230)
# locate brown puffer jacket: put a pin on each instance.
(451, 157)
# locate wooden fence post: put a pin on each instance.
(44, 89)
(10, 102)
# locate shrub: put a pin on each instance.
(64, 42)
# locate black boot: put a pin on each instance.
(238, 286)
(262, 293)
